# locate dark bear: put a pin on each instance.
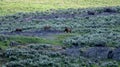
(17, 30)
(47, 27)
(67, 30)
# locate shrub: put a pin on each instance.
(94, 39)
(109, 64)
(3, 38)
(31, 57)
(87, 40)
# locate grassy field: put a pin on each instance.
(28, 40)
(40, 39)
(14, 6)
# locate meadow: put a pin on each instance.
(15, 6)
(33, 33)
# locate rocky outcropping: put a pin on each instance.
(98, 52)
(14, 43)
(103, 53)
(116, 54)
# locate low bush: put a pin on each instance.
(109, 64)
(95, 39)
(41, 55)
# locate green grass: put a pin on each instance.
(14, 6)
(27, 40)
(24, 40)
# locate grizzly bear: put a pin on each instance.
(17, 30)
(67, 30)
(47, 27)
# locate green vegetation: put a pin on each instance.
(32, 33)
(15, 6)
(110, 39)
(43, 55)
(104, 20)
(80, 22)
(24, 40)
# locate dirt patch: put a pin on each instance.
(44, 34)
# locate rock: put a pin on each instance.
(116, 54)
(57, 48)
(109, 10)
(91, 13)
(13, 43)
(73, 51)
(97, 52)
(110, 54)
